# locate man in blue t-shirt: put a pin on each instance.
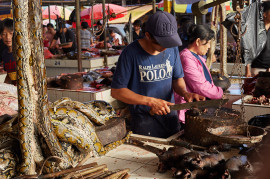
(148, 70)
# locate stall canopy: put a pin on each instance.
(5, 12)
(184, 6)
(136, 12)
(55, 11)
(98, 12)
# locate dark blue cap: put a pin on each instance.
(163, 27)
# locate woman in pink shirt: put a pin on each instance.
(196, 74)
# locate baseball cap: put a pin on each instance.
(163, 27)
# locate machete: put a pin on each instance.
(199, 104)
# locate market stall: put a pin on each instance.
(76, 123)
(57, 66)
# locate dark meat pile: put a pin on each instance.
(262, 100)
(190, 164)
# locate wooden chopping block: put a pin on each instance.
(113, 130)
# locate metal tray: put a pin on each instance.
(237, 134)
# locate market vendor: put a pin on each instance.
(100, 33)
(67, 38)
(262, 61)
(116, 38)
(147, 72)
(196, 74)
(9, 62)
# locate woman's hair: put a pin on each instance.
(200, 31)
(266, 6)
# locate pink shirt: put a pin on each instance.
(195, 80)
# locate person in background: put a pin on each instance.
(46, 41)
(262, 62)
(137, 32)
(50, 34)
(184, 24)
(196, 74)
(2, 45)
(116, 38)
(9, 61)
(66, 37)
(85, 36)
(68, 24)
(147, 72)
(100, 33)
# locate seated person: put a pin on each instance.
(137, 32)
(116, 38)
(50, 34)
(85, 36)
(9, 61)
(46, 42)
(196, 74)
(66, 36)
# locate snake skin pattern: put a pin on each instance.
(8, 163)
(25, 85)
(97, 111)
(28, 52)
(60, 123)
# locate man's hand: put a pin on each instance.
(159, 106)
(189, 97)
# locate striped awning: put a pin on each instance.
(184, 6)
(5, 12)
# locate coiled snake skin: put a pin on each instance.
(71, 124)
(28, 52)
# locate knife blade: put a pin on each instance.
(199, 104)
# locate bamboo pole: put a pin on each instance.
(223, 42)
(126, 176)
(56, 174)
(49, 11)
(79, 164)
(117, 174)
(78, 27)
(95, 174)
(105, 32)
(154, 6)
(89, 171)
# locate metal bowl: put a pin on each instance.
(237, 134)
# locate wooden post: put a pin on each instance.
(124, 3)
(78, 34)
(49, 10)
(223, 42)
(64, 13)
(154, 6)
(104, 33)
(173, 8)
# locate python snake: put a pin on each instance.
(97, 111)
(33, 100)
(28, 52)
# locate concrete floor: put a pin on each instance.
(142, 164)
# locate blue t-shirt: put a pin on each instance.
(148, 75)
